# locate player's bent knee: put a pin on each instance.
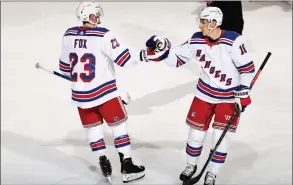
(95, 132)
(119, 130)
(218, 132)
(196, 137)
(223, 147)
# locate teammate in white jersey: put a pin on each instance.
(88, 56)
(227, 72)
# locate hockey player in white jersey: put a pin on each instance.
(227, 72)
(88, 56)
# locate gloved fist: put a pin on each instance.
(242, 98)
(158, 43)
(157, 49)
(147, 55)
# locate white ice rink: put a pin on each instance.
(43, 142)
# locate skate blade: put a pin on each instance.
(109, 179)
(132, 177)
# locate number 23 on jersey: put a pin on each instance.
(89, 64)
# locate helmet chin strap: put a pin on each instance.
(211, 29)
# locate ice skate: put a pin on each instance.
(130, 171)
(188, 172)
(209, 179)
(106, 167)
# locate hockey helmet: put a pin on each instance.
(211, 13)
(85, 9)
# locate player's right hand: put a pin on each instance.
(158, 43)
(157, 49)
(148, 54)
(242, 98)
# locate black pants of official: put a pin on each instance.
(232, 12)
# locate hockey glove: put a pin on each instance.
(242, 97)
(157, 49)
(158, 43)
(147, 55)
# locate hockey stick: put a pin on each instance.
(38, 66)
(194, 180)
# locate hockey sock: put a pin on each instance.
(122, 140)
(194, 145)
(219, 157)
(96, 140)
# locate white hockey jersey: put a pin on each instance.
(226, 65)
(88, 56)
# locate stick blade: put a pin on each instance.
(38, 65)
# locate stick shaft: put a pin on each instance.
(197, 178)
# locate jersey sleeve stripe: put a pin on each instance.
(247, 68)
(180, 62)
(122, 59)
(64, 67)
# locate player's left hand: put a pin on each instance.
(242, 98)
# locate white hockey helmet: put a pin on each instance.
(85, 9)
(211, 13)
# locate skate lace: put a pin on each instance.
(105, 166)
(188, 170)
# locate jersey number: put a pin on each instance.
(89, 61)
(242, 49)
(115, 43)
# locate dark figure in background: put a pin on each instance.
(233, 17)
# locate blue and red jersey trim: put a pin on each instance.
(64, 67)
(82, 31)
(215, 92)
(96, 93)
(180, 62)
(247, 68)
(123, 58)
